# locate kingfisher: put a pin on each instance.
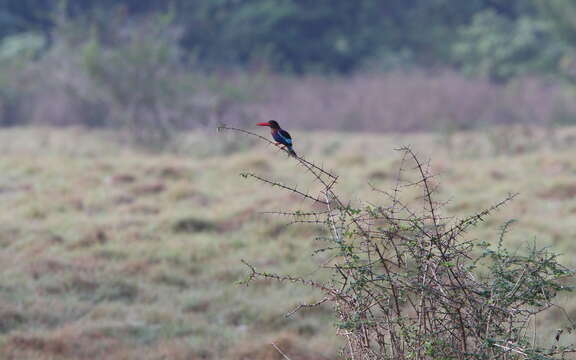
(280, 135)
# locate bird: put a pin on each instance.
(280, 135)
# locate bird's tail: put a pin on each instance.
(292, 152)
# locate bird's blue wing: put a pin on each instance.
(285, 137)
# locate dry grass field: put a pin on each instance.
(107, 252)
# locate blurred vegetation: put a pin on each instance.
(335, 35)
(561, 15)
(500, 48)
(106, 73)
(152, 69)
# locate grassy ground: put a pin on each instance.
(107, 252)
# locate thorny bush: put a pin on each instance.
(407, 284)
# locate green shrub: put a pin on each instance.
(500, 48)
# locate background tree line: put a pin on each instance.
(499, 39)
(154, 68)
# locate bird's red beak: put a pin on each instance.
(263, 124)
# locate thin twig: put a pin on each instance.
(280, 351)
(301, 306)
(299, 158)
(273, 183)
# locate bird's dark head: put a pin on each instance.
(272, 124)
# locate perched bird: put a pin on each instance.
(280, 135)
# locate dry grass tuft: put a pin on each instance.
(564, 192)
(280, 348)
